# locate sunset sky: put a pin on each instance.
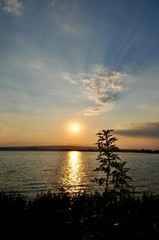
(93, 63)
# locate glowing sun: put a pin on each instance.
(74, 128)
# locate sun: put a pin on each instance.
(74, 128)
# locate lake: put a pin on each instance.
(32, 172)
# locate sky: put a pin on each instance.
(94, 63)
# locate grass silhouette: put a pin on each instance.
(81, 216)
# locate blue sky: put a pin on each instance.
(93, 63)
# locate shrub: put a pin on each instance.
(113, 168)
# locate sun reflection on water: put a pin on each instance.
(74, 167)
(72, 172)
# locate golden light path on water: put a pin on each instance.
(72, 169)
(74, 164)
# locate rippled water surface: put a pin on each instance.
(32, 172)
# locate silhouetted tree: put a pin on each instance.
(115, 173)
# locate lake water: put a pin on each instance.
(32, 172)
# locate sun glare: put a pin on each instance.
(74, 128)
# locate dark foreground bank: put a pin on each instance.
(83, 216)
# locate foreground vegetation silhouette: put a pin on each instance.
(82, 216)
(114, 178)
(114, 214)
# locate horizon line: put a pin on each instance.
(69, 148)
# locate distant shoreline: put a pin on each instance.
(71, 148)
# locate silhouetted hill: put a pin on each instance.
(70, 148)
(49, 148)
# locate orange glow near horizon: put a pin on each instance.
(65, 135)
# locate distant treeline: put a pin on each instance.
(139, 150)
(70, 148)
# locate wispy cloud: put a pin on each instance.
(14, 7)
(102, 86)
(148, 129)
(67, 15)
